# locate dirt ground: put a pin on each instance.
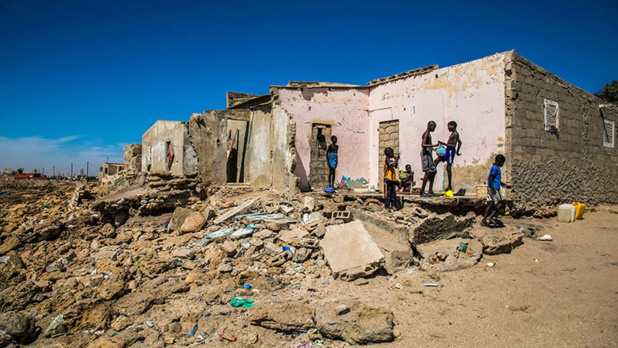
(562, 293)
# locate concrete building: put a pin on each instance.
(166, 147)
(110, 169)
(558, 139)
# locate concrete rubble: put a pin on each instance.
(151, 263)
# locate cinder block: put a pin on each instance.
(342, 215)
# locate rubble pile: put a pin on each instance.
(174, 263)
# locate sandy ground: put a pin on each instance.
(562, 293)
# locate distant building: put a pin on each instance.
(110, 169)
(24, 176)
(8, 171)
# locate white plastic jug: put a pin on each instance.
(566, 213)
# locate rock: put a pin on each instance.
(15, 260)
(301, 255)
(179, 217)
(292, 237)
(108, 231)
(49, 232)
(108, 252)
(152, 267)
(441, 226)
(108, 342)
(121, 323)
(225, 268)
(359, 325)
(229, 248)
(193, 222)
(19, 326)
(446, 255)
(498, 241)
(56, 327)
(61, 264)
(392, 243)
(342, 309)
(9, 244)
(184, 253)
(350, 251)
(286, 317)
(264, 234)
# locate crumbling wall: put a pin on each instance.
(208, 135)
(549, 168)
(471, 94)
(344, 109)
(133, 157)
(154, 146)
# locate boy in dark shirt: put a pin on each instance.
(429, 167)
(495, 201)
(449, 157)
(331, 159)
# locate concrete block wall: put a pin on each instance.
(545, 168)
(133, 157)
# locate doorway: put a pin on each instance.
(318, 168)
(388, 137)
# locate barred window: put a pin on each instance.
(552, 115)
(609, 132)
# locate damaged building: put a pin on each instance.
(559, 140)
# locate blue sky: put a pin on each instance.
(81, 78)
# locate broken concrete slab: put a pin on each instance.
(395, 248)
(498, 241)
(441, 226)
(292, 237)
(355, 323)
(448, 255)
(239, 210)
(350, 251)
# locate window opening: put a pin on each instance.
(609, 131)
(552, 115)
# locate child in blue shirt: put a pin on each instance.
(495, 201)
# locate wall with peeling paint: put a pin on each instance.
(345, 109)
(471, 94)
(154, 148)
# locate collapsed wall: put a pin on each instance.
(559, 141)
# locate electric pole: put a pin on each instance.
(87, 165)
(54, 171)
(71, 171)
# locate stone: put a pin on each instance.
(350, 251)
(121, 323)
(241, 209)
(229, 248)
(292, 237)
(446, 255)
(178, 218)
(225, 268)
(393, 245)
(152, 267)
(108, 252)
(184, 253)
(301, 255)
(108, 231)
(15, 260)
(441, 226)
(359, 324)
(108, 342)
(20, 326)
(60, 265)
(193, 223)
(264, 234)
(9, 244)
(498, 241)
(55, 328)
(286, 317)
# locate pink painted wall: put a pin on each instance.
(471, 94)
(343, 108)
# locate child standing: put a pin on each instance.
(331, 156)
(449, 157)
(429, 167)
(390, 178)
(407, 179)
(495, 201)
